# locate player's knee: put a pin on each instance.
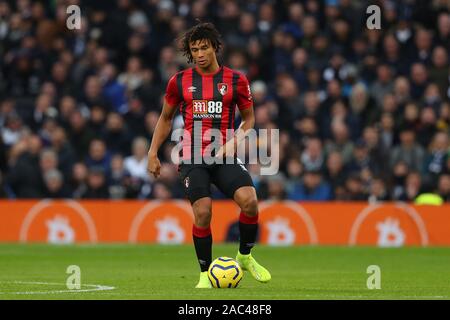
(202, 212)
(203, 218)
(249, 205)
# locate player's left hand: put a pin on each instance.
(228, 149)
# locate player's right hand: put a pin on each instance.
(153, 165)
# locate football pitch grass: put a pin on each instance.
(38, 271)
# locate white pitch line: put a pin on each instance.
(96, 287)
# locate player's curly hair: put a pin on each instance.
(201, 31)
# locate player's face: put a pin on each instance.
(203, 53)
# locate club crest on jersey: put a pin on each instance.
(186, 182)
(223, 88)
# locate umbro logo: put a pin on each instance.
(192, 89)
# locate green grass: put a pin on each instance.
(171, 272)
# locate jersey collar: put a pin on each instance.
(208, 74)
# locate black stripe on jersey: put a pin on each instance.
(218, 78)
(196, 123)
(234, 99)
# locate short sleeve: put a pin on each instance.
(172, 95)
(244, 99)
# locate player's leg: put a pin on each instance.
(246, 198)
(235, 181)
(201, 234)
(196, 183)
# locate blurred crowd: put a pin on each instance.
(363, 114)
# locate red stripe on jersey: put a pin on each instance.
(227, 103)
(207, 94)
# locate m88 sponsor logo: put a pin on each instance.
(207, 109)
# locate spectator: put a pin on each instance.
(113, 90)
(161, 191)
(419, 80)
(383, 85)
(402, 91)
(408, 151)
(387, 134)
(427, 127)
(48, 160)
(136, 164)
(439, 69)
(63, 151)
(98, 155)
(312, 188)
(423, 44)
(117, 178)
(96, 184)
(93, 93)
(341, 141)
(436, 157)
(42, 111)
(78, 183)
(354, 189)
(13, 130)
(411, 116)
(413, 187)
(443, 28)
(371, 139)
(54, 184)
(312, 158)
(288, 100)
(24, 175)
(361, 160)
(335, 171)
(67, 106)
(80, 134)
(97, 120)
(275, 187)
(134, 118)
(116, 134)
(133, 77)
(294, 170)
(362, 105)
(378, 191)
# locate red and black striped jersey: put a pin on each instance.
(207, 101)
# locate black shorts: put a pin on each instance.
(197, 179)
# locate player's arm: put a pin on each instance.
(247, 123)
(162, 131)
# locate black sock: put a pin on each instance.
(203, 249)
(203, 246)
(247, 237)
